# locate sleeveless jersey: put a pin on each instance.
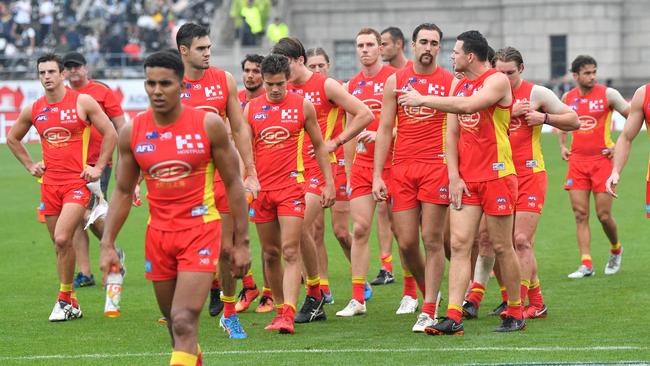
(209, 93)
(64, 138)
(176, 162)
(593, 139)
(421, 130)
(646, 115)
(278, 135)
(109, 104)
(371, 92)
(525, 141)
(484, 151)
(326, 112)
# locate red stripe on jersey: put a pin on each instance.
(525, 140)
(421, 130)
(209, 93)
(64, 137)
(593, 139)
(314, 91)
(278, 130)
(176, 161)
(109, 104)
(484, 151)
(371, 92)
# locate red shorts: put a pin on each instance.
(647, 199)
(221, 198)
(589, 175)
(361, 180)
(53, 197)
(497, 197)
(341, 182)
(421, 182)
(288, 201)
(191, 250)
(531, 192)
(314, 179)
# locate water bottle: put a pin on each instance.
(114, 282)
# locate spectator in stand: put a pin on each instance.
(252, 26)
(46, 18)
(277, 30)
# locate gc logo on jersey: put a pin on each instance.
(170, 171)
(469, 120)
(274, 134)
(57, 135)
(587, 123)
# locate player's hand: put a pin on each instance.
(252, 185)
(91, 173)
(137, 202)
(37, 169)
(534, 118)
(611, 184)
(107, 259)
(367, 136)
(520, 108)
(610, 152)
(379, 190)
(328, 197)
(457, 188)
(565, 153)
(240, 257)
(311, 152)
(409, 96)
(331, 146)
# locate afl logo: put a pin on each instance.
(419, 112)
(170, 171)
(469, 120)
(274, 134)
(260, 116)
(144, 148)
(56, 135)
(587, 123)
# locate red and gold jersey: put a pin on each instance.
(371, 92)
(109, 104)
(484, 151)
(176, 161)
(64, 137)
(646, 115)
(525, 141)
(242, 99)
(278, 135)
(593, 139)
(421, 130)
(314, 91)
(209, 93)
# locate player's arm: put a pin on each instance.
(99, 119)
(242, 137)
(456, 184)
(556, 113)
(360, 114)
(128, 174)
(496, 90)
(313, 130)
(383, 138)
(632, 127)
(561, 137)
(14, 138)
(227, 163)
(617, 102)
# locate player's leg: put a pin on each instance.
(190, 294)
(432, 221)
(80, 240)
(407, 232)
(603, 202)
(525, 227)
(362, 209)
(164, 291)
(270, 239)
(266, 300)
(385, 239)
(580, 205)
(464, 224)
(340, 215)
(291, 228)
(482, 269)
(318, 233)
(314, 301)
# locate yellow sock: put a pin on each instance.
(182, 359)
(65, 287)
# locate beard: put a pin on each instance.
(253, 88)
(426, 59)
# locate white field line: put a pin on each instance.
(317, 350)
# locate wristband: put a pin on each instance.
(545, 118)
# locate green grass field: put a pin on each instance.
(595, 320)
